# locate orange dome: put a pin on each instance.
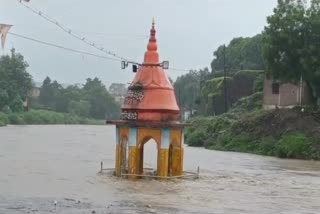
(151, 95)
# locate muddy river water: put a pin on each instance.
(43, 164)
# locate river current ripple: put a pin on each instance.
(43, 164)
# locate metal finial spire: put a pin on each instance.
(153, 22)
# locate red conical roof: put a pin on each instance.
(151, 95)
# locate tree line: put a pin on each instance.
(91, 100)
(288, 49)
(15, 82)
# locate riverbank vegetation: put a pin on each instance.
(226, 108)
(285, 133)
(37, 117)
(22, 102)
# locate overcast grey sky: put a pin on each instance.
(188, 31)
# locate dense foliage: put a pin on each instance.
(289, 50)
(291, 42)
(240, 54)
(15, 82)
(44, 117)
(91, 100)
(293, 134)
(203, 93)
(187, 88)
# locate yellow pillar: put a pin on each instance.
(181, 161)
(163, 157)
(118, 153)
(177, 163)
(163, 153)
(118, 160)
(133, 158)
(140, 160)
(133, 153)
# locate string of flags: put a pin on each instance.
(69, 31)
(4, 30)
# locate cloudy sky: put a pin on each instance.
(188, 31)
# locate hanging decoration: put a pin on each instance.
(4, 29)
(135, 94)
(129, 115)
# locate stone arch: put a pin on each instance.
(144, 136)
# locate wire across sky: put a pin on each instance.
(112, 55)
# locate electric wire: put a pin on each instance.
(62, 47)
(83, 39)
(70, 32)
(77, 51)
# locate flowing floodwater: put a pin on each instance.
(43, 164)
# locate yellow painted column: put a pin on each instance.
(163, 153)
(133, 158)
(181, 161)
(133, 153)
(176, 141)
(118, 154)
(177, 163)
(118, 160)
(140, 157)
(163, 157)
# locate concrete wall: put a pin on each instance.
(289, 95)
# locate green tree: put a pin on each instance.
(67, 95)
(49, 94)
(102, 104)
(15, 81)
(187, 88)
(291, 43)
(311, 60)
(81, 108)
(240, 54)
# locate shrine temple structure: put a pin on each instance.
(149, 111)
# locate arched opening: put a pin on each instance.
(148, 156)
(124, 155)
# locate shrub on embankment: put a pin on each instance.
(43, 117)
(282, 133)
(3, 119)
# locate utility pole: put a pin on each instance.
(225, 79)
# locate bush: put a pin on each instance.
(248, 104)
(240, 143)
(44, 117)
(196, 138)
(295, 145)
(267, 146)
(16, 119)
(3, 119)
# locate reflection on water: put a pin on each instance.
(40, 164)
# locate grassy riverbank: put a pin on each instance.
(44, 117)
(281, 133)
